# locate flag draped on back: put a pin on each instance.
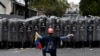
(37, 42)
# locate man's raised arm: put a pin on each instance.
(39, 36)
(66, 37)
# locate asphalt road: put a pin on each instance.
(60, 52)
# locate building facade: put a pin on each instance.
(12, 7)
(5, 6)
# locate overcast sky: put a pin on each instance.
(75, 1)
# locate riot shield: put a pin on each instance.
(97, 33)
(74, 31)
(57, 27)
(5, 33)
(13, 30)
(66, 30)
(90, 30)
(21, 34)
(35, 29)
(82, 32)
(0, 33)
(29, 34)
(42, 25)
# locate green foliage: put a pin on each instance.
(90, 7)
(50, 7)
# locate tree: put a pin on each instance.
(50, 7)
(90, 7)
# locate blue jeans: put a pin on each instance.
(52, 52)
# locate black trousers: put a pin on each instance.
(51, 52)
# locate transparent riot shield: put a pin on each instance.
(51, 22)
(36, 26)
(35, 29)
(12, 33)
(0, 33)
(82, 32)
(21, 34)
(42, 25)
(5, 33)
(74, 31)
(66, 30)
(57, 27)
(97, 33)
(29, 34)
(90, 30)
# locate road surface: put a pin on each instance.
(60, 52)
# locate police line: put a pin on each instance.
(18, 33)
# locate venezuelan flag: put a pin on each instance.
(37, 41)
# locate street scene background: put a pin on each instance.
(20, 19)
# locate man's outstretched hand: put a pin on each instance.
(70, 35)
